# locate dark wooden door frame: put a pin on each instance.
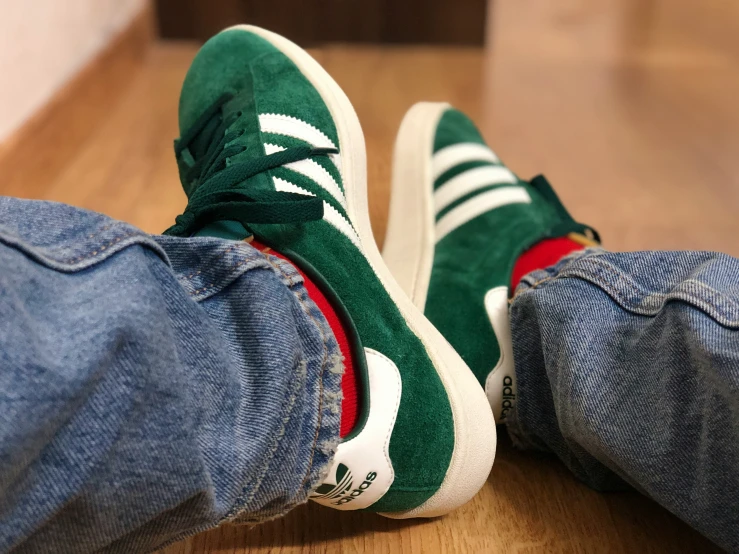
(309, 22)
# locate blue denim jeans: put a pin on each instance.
(150, 386)
(627, 369)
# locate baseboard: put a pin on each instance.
(68, 119)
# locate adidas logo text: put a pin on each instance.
(358, 491)
(509, 397)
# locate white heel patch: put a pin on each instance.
(500, 385)
(362, 472)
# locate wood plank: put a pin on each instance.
(630, 108)
(33, 156)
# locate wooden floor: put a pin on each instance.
(629, 107)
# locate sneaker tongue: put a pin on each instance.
(199, 146)
(230, 230)
(243, 101)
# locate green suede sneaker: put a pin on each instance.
(270, 147)
(459, 220)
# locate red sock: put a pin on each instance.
(543, 254)
(349, 381)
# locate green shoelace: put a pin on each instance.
(218, 192)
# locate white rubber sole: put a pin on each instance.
(474, 427)
(410, 239)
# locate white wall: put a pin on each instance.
(44, 43)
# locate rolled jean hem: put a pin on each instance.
(528, 285)
(327, 391)
(325, 388)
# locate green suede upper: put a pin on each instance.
(480, 254)
(266, 82)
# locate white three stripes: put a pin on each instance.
(330, 214)
(470, 181)
(478, 205)
(289, 126)
(313, 171)
(460, 153)
(294, 127)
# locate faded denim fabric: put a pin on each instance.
(150, 386)
(627, 368)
